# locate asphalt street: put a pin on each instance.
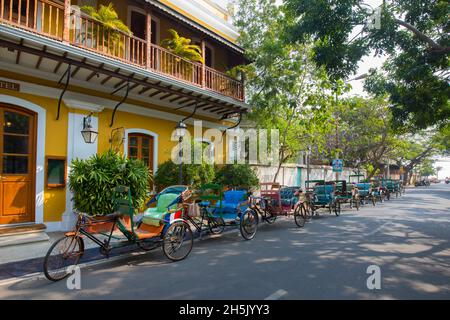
(407, 238)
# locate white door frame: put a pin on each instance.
(40, 150)
(155, 144)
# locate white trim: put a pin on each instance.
(42, 91)
(155, 144)
(74, 140)
(40, 150)
(83, 105)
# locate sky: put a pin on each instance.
(365, 64)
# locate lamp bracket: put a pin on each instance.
(127, 85)
(66, 74)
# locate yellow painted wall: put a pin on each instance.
(55, 145)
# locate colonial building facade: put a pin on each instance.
(64, 73)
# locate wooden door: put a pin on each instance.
(17, 165)
(140, 146)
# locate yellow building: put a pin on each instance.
(60, 67)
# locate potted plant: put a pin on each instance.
(111, 29)
(184, 49)
(92, 182)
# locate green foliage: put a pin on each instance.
(193, 174)
(413, 35)
(182, 47)
(237, 175)
(92, 182)
(286, 90)
(108, 16)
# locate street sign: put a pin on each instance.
(337, 165)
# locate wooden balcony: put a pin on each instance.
(57, 21)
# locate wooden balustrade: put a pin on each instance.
(47, 18)
(221, 83)
(41, 16)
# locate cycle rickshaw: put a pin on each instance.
(277, 201)
(162, 226)
(321, 194)
(216, 209)
(347, 193)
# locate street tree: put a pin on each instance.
(285, 89)
(412, 34)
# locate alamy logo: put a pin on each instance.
(74, 280)
(241, 146)
(374, 280)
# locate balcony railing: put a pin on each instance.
(49, 18)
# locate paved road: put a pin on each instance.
(408, 238)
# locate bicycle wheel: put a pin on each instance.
(249, 224)
(337, 208)
(216, 225)
(64, 253)
(300, 216)
(178, 241)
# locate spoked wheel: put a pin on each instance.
(64, 253)
(300, 216)
(249, 224)
(216, 225)
(337, 208)
(178, 241)
(357, 203)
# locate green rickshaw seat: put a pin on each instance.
(154, 216)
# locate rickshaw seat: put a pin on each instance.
(153, 216)
(232, 200)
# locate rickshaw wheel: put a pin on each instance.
(300, 216)
(64, 253)
(216, 225)
(178, 241)
(357, 202)
(249, 224)
(337, 208)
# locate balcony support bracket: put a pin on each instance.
(192, 114)
(234, 126)
(127, 85)
(66, 85)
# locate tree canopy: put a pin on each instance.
(412, 34)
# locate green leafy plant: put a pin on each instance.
(112, 26)
(237, 175)
(182, 47)
(92, 182)
(193, 174)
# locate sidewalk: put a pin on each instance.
(28, 259)
(25, 259)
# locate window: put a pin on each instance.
(56, 172)
(140, 147)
